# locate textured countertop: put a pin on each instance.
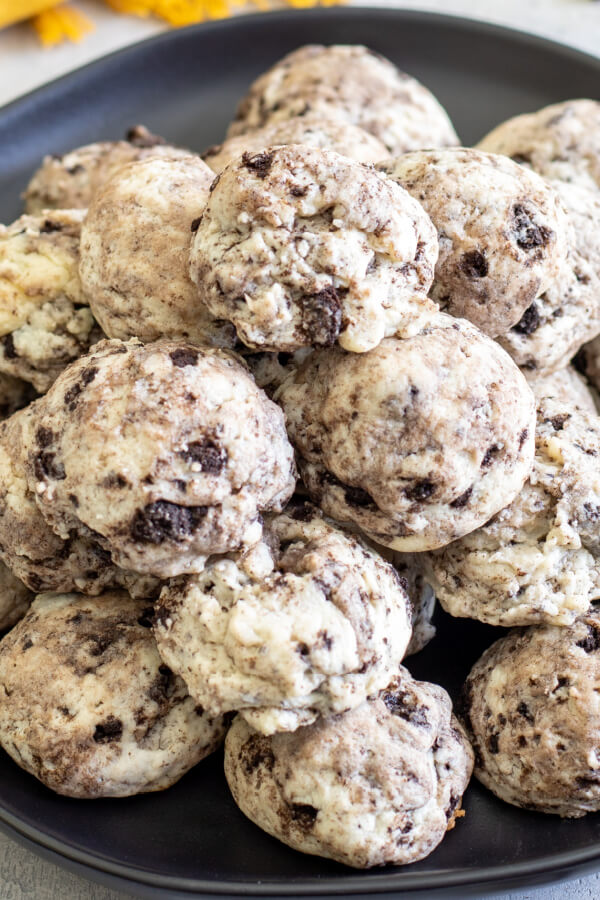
(23, 66)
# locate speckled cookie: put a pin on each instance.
(531, 708)
(538, 560)
(417, 442)
(315, 131)
(41, 559)
(14, 394)
(566, 386)
(308, 624)
(89, 707)
(380, 784)
(303, 247)
(560, 141)
(352, 84)
(163, 453)
(567, 314)
(71, 181)
(15, 598)
(45, 321)
(503, 234)
(135, 246)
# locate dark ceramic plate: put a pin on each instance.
(191, 839)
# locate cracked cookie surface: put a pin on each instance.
(89, 707)
(379, 784)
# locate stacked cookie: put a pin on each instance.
(318, 296)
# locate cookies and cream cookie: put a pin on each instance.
(538, 559)
(308, 624)
(567, 314)
(566, 386)
(89, 707)
(417, 442)
(530, 705)
(45, 320)
(561, 141)
(381, 784)
(352, 84)
(503, 233)
(70, 181)
(301, 247)
(135, 245)
(164, 453)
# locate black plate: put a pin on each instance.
(185, 85)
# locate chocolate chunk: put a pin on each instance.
(162, 686)
(184, 356)
(420, 490)
(524, 711)
(259, 163)
(296, 191)
(213, 184)
(488, 456)
(322, 316)
(474, 264)
(528, 234)
(530, 321)
(558, 422)
(303, 815)
(195, 224)
(463, 499)
(591, 642)
(400, 704)
(49, 226)
(162, 521)
(523, 437)
(211, 456)
(45, 466)
(109, 730)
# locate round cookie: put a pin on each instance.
(45, 321)
(302, 247)
(14, 394)
(380, 784)
(538, 560)
(566, 386)
(308, 624)
(561, 141)
(164, 453)
(502, 232)
(135, 245)
(314, 131)
(15, 598)
(417, 442)
(352, 84)
(70, 181)
(530, 705)
(567, 314)
(39, 557)
(89, 707)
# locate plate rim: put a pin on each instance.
(346, 884)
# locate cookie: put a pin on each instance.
(15, 598)
(567, 314)
(538, 560)
(314, 131)
(566, 386)
(381, 784)
(350, 84)
(561, 141)
(134, 253)
(70, 181)
(89, 707)
(164, 453)
(302, 247)
(531, 710)
(14, 394)
(503, 233)
(39, 557)
(45, 321)
(309, 624)
(417, 442)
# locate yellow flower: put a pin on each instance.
(55, 21)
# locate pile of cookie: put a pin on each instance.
(259, 407)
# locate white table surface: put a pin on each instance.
(23, 66)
